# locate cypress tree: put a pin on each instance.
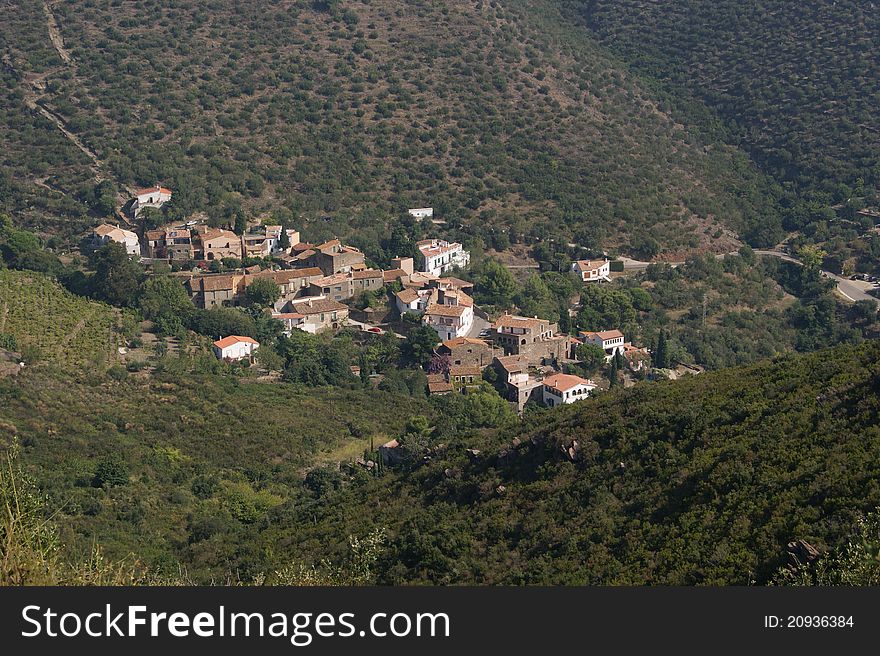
(661, 357)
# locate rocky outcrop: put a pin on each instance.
(801, 552)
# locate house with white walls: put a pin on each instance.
(593, 270)
(421, 212)
(235, 347)
(562, 389)
(106, 233)
(155, 197)
(611, 341)
(414, 301)
(439, 256)
(449, 320)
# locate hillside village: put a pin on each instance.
(380, 293)
(526, 359)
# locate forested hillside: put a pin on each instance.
(503, 116)
(699, 481)
(796, 81)
(177, 467)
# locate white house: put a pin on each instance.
(562, 389)
(291, 321)
(421, 212)
(413, 301)
(106, 233)
(592, 270)
(273, 235)
(440, 256)
(513, 368)
(449, 320)
(235, 347)
(609, 340)
(155, 196)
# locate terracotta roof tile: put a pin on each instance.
(565, 382)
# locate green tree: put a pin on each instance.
(240, 224)
(117, 277)
(661, 353)
(110, 472)
(591, 356)
(420, 343)
(162, 296)
(606, 308)
(811, 256)
(263, 292)
(495, 284)
(613, 373)
(535, 299)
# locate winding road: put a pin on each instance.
(849, 289)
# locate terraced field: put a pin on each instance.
(53, 324)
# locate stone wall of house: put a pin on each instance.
(539, 351)
(472, 355)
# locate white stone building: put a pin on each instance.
(106, 233)
(593, 270)
(562, 389)
(440, 256)
(235, 347)
(611, 341)
(154, 197)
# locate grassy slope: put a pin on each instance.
(477, 109)
(797, 80)
(699, 481)
(248, 442)
(62, 327)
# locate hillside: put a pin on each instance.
(48, 323)
(178, 467)
(797, 82)
(501, 115)
(698, 481)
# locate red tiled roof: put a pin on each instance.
(218, 233)
(234, 339)
(393, 274)
(367, 273)
(513, 363)
(589, 265)
(462, 341)
(458, 283)
(215, 283)
(431, 247)
(152, 190)
(408, 295)
(311, 306)
(565, 382)
(605, 334)
(513, 321)
(445, 310)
